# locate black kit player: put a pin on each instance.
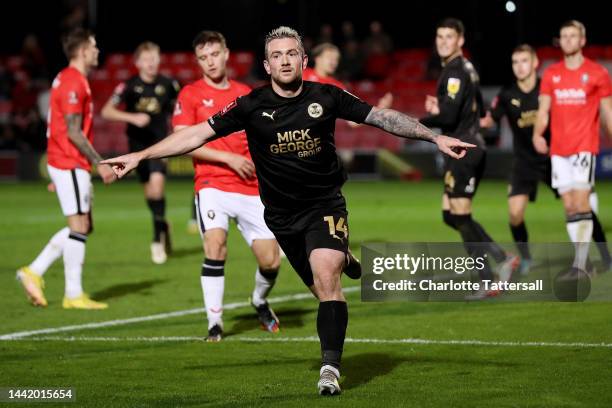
(290, 130)
(456, 110)
(148, 98)
(519, 103)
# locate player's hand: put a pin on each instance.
(431, 105)
(539, 144)
(241, 165)
(106, 173)
(487, 121)
(140, 119)
(453, 147)
(51, 187)
(386, 101)
(122, 165)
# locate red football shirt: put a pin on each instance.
(309, 74)
(70, 94)
(195, 104)
(574, 113)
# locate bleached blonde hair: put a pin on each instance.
(576, 24)
(284, 32)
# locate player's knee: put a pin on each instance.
(570, 208)
(327, 287)
(269, 262)
(215, 247)
(516, 216)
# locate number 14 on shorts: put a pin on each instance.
(335, 227)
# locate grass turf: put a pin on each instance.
(132, 372)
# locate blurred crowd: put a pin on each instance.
(24, 96)
(25, 79)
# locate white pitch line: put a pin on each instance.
(315, 339)
(119, 322)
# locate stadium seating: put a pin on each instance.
(403, 74)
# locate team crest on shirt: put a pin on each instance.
(452, 87)
(160, 90)
(516, 102)
(584, 78)
(138, 89)
(211, 214)
(556, 79)
(315, 110)
(178, 110)
(209, 103)
(72, 98)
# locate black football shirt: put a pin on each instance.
(460, 102)
(291, 141)
(153, 98)
(521, 109)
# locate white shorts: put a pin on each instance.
(216, 207)
(73, 188)
(575, 172)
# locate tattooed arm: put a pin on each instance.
(74, 121)
(406, 126)
(399, 124)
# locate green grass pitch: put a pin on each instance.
(164, 363)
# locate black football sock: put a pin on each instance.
(193, 210)
(493, 248)
(600, 239)
(332, 320)
(472, 239)
(158, 210)
(521, 238)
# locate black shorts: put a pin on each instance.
(322, 226)
(526, 175)
(146, 167)
(462, 177)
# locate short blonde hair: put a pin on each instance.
(321, 48)
(576, 24)
(284, 32)
(525, 48)
(146, 46)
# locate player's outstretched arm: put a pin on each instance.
(240, 164)
(406, 126)
(178, 143)
(539, 142)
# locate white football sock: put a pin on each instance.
(50, 252)
(212, 290)
(263, 286)
(580, 230)
(74, 257)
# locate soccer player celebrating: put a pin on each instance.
(456, 110)
(519, 102)
(572, 93)
(149, 99)
(290, 130)
(70, 155)
(225, 186)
